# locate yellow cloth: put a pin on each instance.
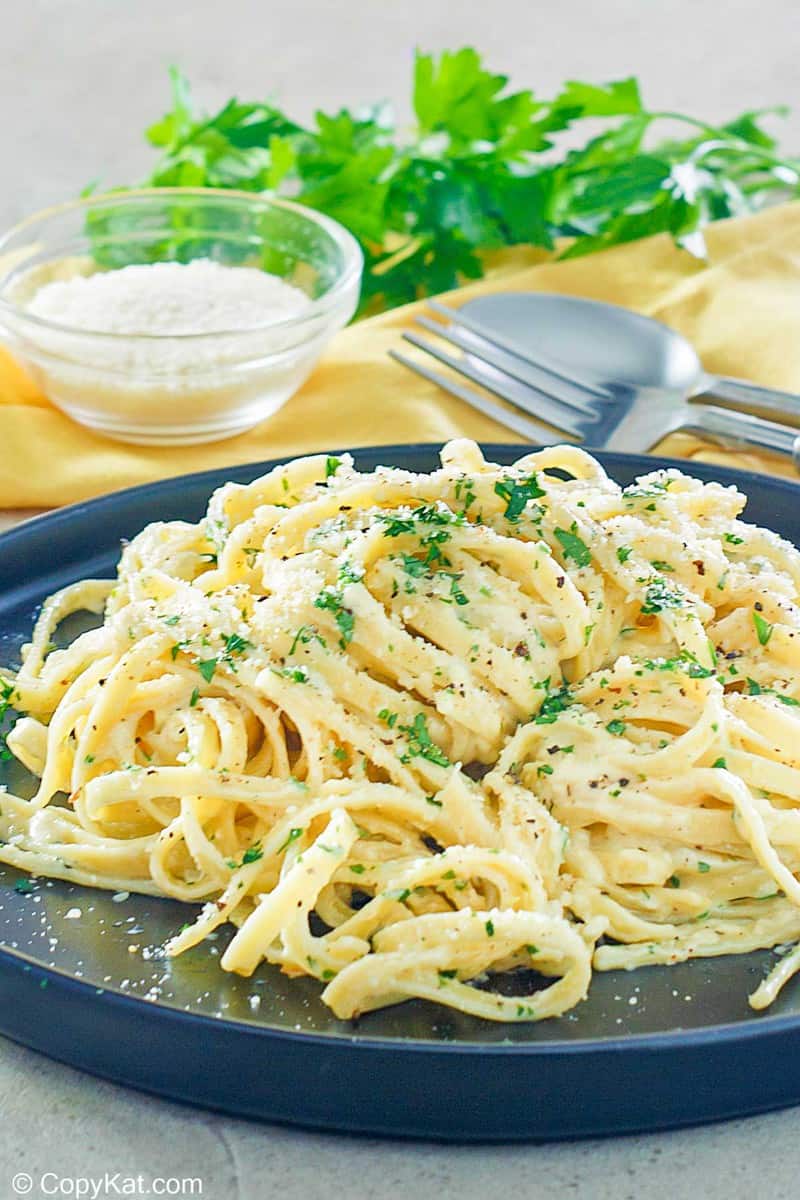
(741, 310)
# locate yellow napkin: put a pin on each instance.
(741, 309)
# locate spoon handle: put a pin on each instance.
(765, 401)
(743, 429)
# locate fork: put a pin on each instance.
(609, 417)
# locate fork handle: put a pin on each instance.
(742, 429)
(763, 400)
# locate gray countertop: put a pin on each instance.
(58, 1120)
(80, 80)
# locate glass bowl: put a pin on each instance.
(167, 388)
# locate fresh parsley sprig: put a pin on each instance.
(481, 168)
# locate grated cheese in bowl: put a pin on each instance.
(173, 352)
(201, 296)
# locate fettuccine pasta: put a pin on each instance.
(465, 736)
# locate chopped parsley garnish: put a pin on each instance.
(332, 601)
(207, 667)
(420, 743)
(573, 546)
(517, 493)
(6, 700)
(467, 496)
(432, 514)
(616, 727)
(544, 769)
(756, 689)
(553, 705)
(396, 526)
(350, 573)
(252, 854)
(433, 542)
(721, 763)
(296, 674)
(489, 927)
(171, 620)
(655, 488)
(235, 644)
(195, 696)
(455, 590)
(685, 662)
(703, 867)
(763, 627)
(389, 718)
(673, 882)
(304, 635)
(733, 539)
(293, 835)
(659, 596)
(332, 466)
(414, 566)
(624, 553)
(661, 566)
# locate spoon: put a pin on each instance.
(600, 345)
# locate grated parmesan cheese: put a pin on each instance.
(201, 296)
(172, 353)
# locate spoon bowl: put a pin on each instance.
(603, 345)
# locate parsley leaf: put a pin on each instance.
(573, 546)
(235, 644)
(292, 836)
(6, 702)
(332, 601)
(517, 494)
(414, 566)
(420, 743)
(763, 627)
(553, 705)
(207, 668)
(659, 596)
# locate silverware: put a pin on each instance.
(603, 343)
(614, 415)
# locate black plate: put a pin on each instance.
(650, 1049)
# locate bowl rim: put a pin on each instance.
(351, 271)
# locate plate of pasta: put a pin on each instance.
(448, 791)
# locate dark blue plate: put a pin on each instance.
(650, 1049)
